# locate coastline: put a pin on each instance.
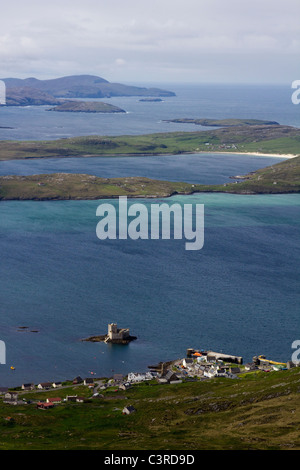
(281, 177)
(258, 154)
(151, 154)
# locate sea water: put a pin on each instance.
(239, 294)
(191, 101)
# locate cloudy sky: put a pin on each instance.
(139, 41)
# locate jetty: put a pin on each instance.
(214, 356)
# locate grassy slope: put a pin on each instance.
(282, 177)
(259, 411)
(77, 186)
(262, 138)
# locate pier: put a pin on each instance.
(214, 356)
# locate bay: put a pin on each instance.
(239, 294)
(191, 101)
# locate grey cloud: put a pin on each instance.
(130, 40)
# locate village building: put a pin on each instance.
(124, 386)
(290, 364)
(44, 405)
(28, 386)
(44, 385)
(54, 400)
(77, 380)
(56, 384)
(118, 378)
(89, 382)
(71, 398)
(128, 410)
(250, 366)
(139, 377)
(171, 377)
(187, 362)
(80, 400)
(11, 398)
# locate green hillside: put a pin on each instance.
(259, 412)
(268, 139)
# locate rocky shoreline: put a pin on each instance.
(106, 339)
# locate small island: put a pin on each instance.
(114, 335)
(224, 122)
(86, 107)
(155, 100)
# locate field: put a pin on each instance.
(258, 411)
(244, 138)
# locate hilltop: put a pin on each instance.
(32, 90)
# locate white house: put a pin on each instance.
(188, 363)
(56, 384)
(210, 373)
(44, 385)
(128, 410)
(27, 386)
(138, 377)
(11, 398)
(89, 382)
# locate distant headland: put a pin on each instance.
(32, 91)
(224, 122)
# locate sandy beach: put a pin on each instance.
(257, 154)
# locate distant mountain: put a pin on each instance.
(74, 86)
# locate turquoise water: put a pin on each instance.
(239, 294)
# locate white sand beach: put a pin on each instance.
(257, 154)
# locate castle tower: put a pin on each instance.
(112, 330)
